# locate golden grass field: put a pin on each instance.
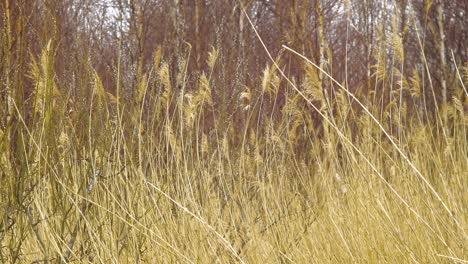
(170, 176)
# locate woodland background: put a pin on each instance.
(355, 41)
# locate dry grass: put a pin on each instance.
(164, 179)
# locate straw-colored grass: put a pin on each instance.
(328, 177)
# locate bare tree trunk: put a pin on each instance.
(443, 62)
(302, 25)
(9, 92)
(197, 33)
(140, 44)
(244, 5)
(319, 14)
(176, 23)
(136, 27)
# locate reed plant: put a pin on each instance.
(300, 170)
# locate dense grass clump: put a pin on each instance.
(298, 171)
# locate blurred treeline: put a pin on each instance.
(372, 47)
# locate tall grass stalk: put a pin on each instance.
(300, 169)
